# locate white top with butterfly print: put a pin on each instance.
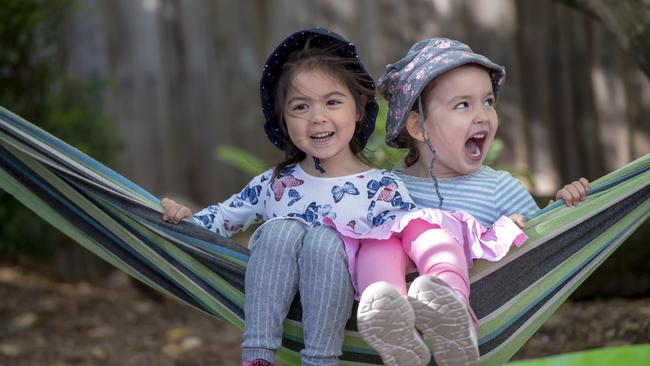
(360, 201)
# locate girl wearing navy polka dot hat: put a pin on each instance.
(319, 106)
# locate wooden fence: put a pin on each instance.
(182, 78)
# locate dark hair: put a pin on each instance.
(342, 69)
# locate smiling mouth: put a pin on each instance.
(321, 137)
(474, 146)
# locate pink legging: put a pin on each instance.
(433, 250)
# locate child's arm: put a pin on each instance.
(573, 192)
(229, 217)
(513, 200)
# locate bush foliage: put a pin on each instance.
(35, 86)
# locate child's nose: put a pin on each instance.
(319, 115)
(481, 116)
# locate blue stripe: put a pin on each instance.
(77, 155)
(51, 192)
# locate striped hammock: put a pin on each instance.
(121, 223)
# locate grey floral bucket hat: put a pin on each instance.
(404, 80)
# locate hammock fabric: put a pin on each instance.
(121, 223)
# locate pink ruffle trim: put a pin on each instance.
(479, 242)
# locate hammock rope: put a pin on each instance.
(121, 223)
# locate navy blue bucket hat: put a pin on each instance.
(403, 81)
(318, 38)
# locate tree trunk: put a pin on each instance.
(629, 20)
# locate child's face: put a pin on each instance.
(461, 120)
(320, 113)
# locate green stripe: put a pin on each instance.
(498, 318)
(193, 266)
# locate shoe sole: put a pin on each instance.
(443, 320)
(386, 322)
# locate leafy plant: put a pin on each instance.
(627, 355)
(38, 89)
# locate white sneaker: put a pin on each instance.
(443, 319)
(386, 322)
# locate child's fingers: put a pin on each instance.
(185, 212)
(166, 203)
(585, 183)
(569, 194)
(581, 190)
(178, 213)
(563, 194)
(182, 213)
(519, 219)
(173, 212)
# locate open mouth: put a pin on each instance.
(474, 146)
(321, 137)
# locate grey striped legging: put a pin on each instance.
(285, 256)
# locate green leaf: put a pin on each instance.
(240, 159)
(637, 355)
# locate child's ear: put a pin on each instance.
(413, 126)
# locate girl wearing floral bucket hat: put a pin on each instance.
(441, 99)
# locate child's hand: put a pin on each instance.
(519, 219)
(174, 212)
(573, 192)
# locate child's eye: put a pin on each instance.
(333, 102)
(299, 107)
(461, 105)
(489, 102)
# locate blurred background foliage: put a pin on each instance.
(38, 89)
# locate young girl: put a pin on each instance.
(442, 100)
(319, 106)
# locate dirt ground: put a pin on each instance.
(48, 323)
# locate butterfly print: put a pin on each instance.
(379, 219)
(249, 194)
(386, 188)
(399, 202)
(294, 196)
(231, 228)
(314, 213)
(284, 181)
(339, 192)
(207, 220)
